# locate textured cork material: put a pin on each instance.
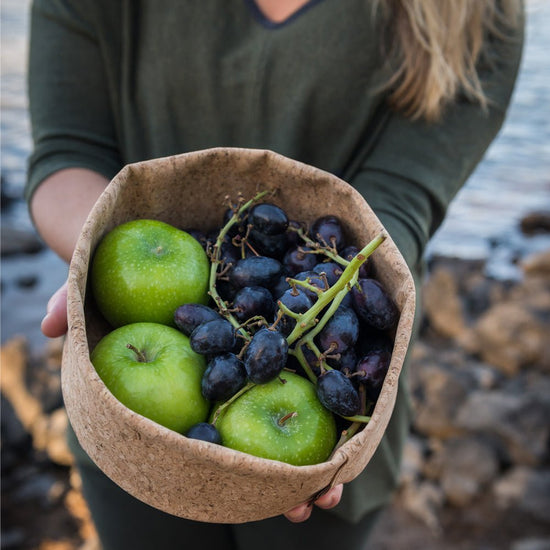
(190, 478)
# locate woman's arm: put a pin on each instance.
(61, 204)
(59, 207)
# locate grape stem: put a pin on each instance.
(318, 248)
(215, 262)
(299, 354)
(357, 422)
(342, 284)
(226, 404)
(335, 304)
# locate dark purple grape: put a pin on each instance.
(328, 230)
(238, 228)
(189, 316)
(280, 287)
(346, 361)
(274, 246)
(374, 305)
(340, 332)
(294, 365)
(198, 235)
(204, 432)
(229, 254)
(255, 271)
(213, 337)
(268, 219)
(371, 371)
(226, 290)
(371, 339)
(298, 259)
(293, 238)
(332, 271)
(338, 394)
(347, 301)
(296, 300)
(224, 376)
(252, 301)
(349, 253)
(266, 355)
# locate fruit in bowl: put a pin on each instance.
(144, 269)
(260, 406)
(281, 420)
(152, 369)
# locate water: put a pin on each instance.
(514, 177)
(482, 222)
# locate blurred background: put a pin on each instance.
(477, 465)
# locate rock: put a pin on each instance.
(536, 499)
(536, 222)
(36, 487)
(19, 241)
(13, 538)
(511, 487)
(531, 543)
(537, 264)
(469, 464)
(424, 500)
(527, 490)
(519, 421)
(413, 459)
(27, 281)
(16, 441)
(47, 429)
(509, 336)
(6, 199)
(442, 305)
(440, 390)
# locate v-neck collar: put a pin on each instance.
(259, 15)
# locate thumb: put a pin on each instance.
(54, 323)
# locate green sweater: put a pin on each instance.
(117, 81)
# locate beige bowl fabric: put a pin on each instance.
(190, 478)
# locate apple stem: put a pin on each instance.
(140, 355)
(282, 421)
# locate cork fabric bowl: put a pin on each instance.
(190, 478)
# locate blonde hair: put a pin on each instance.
(434, 47)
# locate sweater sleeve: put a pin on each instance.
(415, 168)
(69, 101)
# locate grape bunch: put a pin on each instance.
(285, 295)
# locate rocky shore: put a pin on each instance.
(476, 473)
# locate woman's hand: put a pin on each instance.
(329, 500)
(54, 323)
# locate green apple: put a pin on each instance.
(143, 270)
(280, 421)
(152, 369)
